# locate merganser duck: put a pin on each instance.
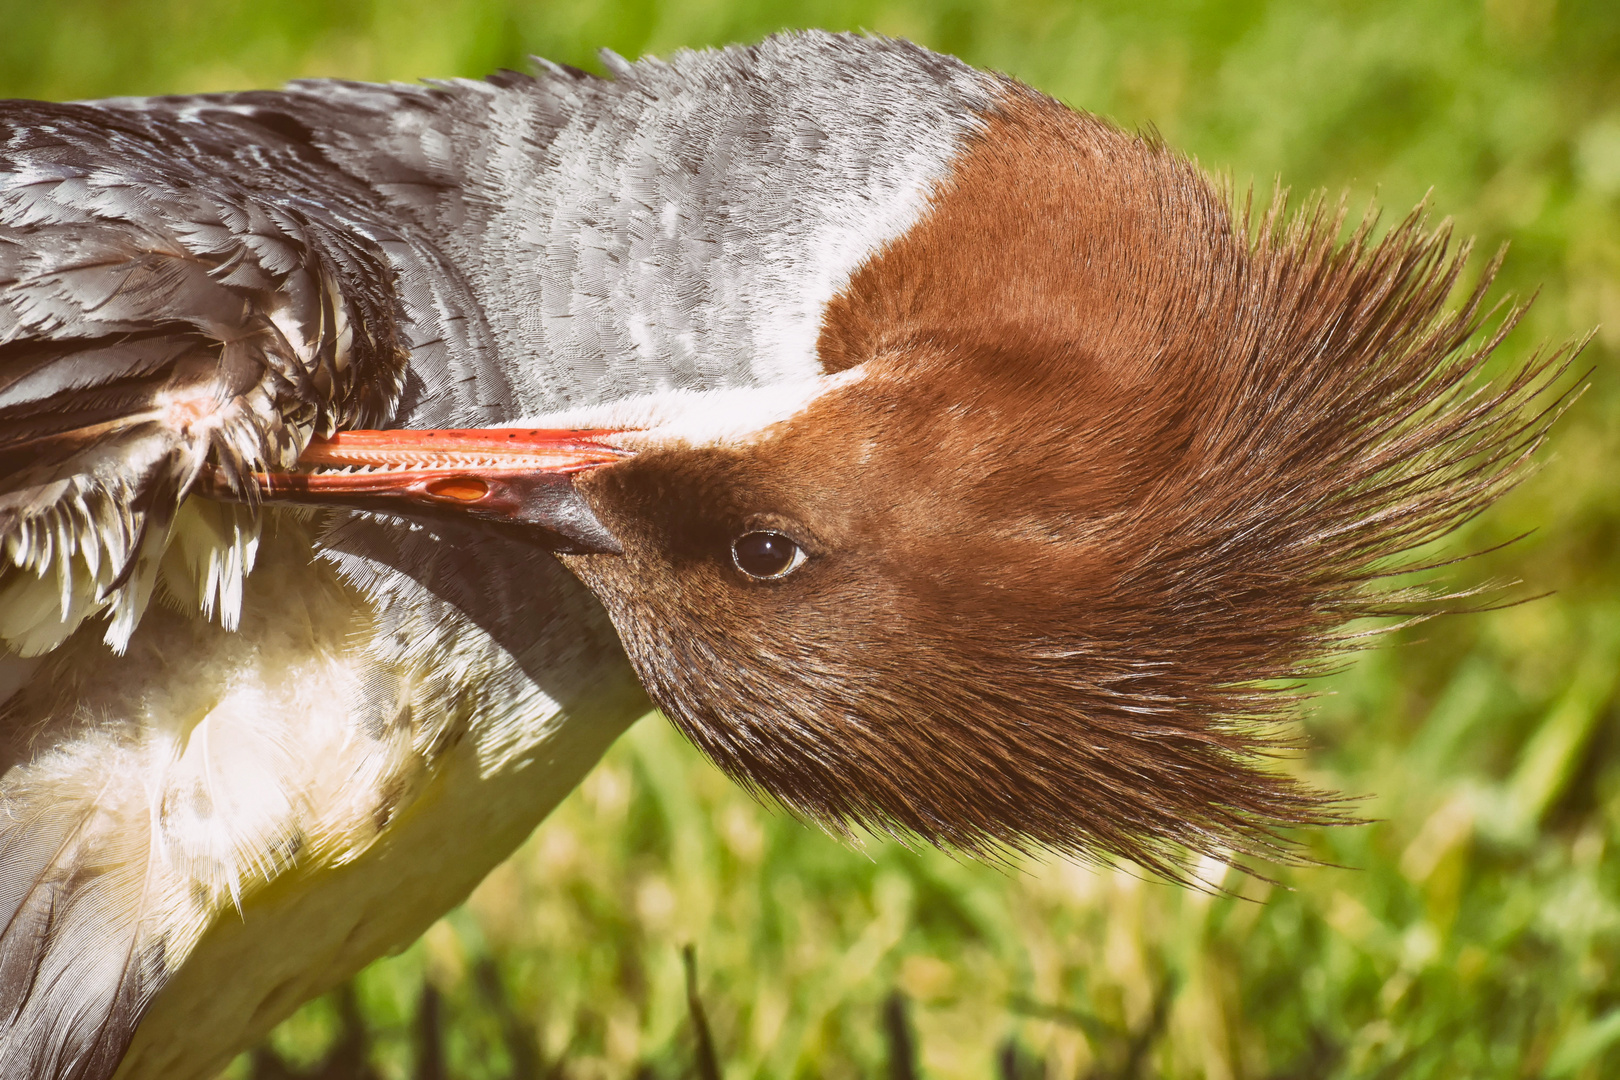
(942, 461)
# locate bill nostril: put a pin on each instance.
(467, 489)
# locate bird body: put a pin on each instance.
(835, 362)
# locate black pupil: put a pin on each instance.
(764, 554)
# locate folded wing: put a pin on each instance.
(156, 319)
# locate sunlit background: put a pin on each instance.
(1473, 931)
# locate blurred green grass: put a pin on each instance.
(1473, 930)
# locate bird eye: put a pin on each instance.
(766, 555)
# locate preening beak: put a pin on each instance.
(522, 478)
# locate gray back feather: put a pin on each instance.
(681, 225)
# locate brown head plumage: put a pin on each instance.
(1114, 472)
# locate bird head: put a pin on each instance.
(1094, 470)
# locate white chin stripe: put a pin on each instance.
(734, 416)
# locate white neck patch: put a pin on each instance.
(730, 416)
